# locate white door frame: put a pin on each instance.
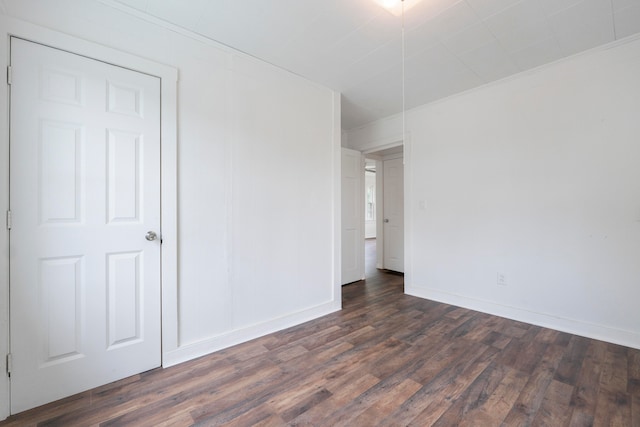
(168, 180)
(372, 152)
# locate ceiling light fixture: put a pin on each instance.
(397, 7)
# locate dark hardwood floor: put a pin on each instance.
(386, 359)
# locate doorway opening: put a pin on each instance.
(370, 217)
(384, 210)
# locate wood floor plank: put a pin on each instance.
(408, 360)
(473, 397)
(386, 359)
(547, 335)
(197, 399)
(303, 405)
(344, 390)
(345, 414)
(635, 410)
(441, 393)
(259, 415)
(286, 354)
(555, 409)
(500, 402)
(572, 361)
(613, 409)
(439, 389)
(523, 355)
(614, 377)
(387, 403)
(533, 393)
(497, 340)
(177, 420)
(446, 359)
(153, 386)
(585, 394)
(332, 351)
(633, 371)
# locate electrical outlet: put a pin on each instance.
(502, 279)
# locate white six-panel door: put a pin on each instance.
(393, 215)
(84, 193)
(352, 216)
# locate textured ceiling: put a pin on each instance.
(354, 46)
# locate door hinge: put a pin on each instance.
(9, 76)
(9, 220)
(9, 364)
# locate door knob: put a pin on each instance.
(151, 236)
(386, 220)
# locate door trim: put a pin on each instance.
(168, 172)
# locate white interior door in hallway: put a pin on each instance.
(85, 203)
(393, 223)
(352, 216)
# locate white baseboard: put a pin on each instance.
(572, 326)
(219, 342)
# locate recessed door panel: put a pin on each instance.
(124, 298)
(61, 172)
(61, 86)
(124, 175)
(61, 306)
(124, 100)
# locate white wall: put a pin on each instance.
(536, 177)
(258, 160)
